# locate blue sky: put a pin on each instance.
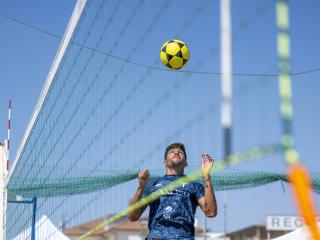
(27, 56)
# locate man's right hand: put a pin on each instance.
(143, 177)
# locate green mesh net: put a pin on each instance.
(221, 181)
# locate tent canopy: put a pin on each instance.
(45, 229)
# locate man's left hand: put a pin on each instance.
(206, 164)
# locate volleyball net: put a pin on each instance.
(109, 108)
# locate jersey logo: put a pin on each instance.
(167, 212)
(168, 209)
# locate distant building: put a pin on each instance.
(255, 232)
(122, 229)
(213, 236)
(276, 226)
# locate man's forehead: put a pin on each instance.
(179, 148)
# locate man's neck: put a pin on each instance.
(172, 171)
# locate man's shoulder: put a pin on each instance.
(155, 181)
(195, 186)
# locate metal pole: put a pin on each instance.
(225, 223)
(33, 227)
(8, 137)
(226, 84)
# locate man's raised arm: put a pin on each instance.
(143, 179)
(207, 203)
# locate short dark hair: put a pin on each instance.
(176, 145)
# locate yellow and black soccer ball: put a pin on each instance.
(174, 54)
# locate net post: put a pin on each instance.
(3, 195)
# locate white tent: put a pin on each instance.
(301, 233)
(44, 230)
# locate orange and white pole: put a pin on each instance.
(298, 174)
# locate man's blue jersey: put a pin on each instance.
(172, 215)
